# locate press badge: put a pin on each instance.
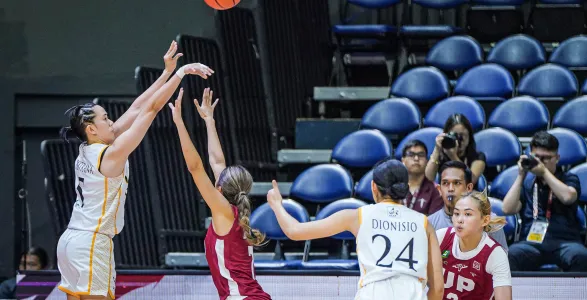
(537, 232)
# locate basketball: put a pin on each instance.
(222, 4)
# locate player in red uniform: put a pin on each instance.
(230, 239)
(475, 266)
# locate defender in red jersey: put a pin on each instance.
(475, 266)
(230, 239)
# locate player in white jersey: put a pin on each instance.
(397, 249)
(84, 252)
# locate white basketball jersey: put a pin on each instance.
(392, 241)
(99, 205)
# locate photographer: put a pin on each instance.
(458, 144)
(547, 199)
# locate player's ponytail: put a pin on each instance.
(391, 178)
(236, 182)
(495, 223)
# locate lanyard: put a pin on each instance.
(414, 199)
(535, 203)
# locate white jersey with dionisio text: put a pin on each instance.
(392, 241)
(99, 205)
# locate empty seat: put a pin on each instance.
(521, 115)
(441, 111)
(518, 52)
(491, 20)
(549, 82)
(263, 218)
(425, 135)
(572, 115)
(362, 149)
(556, 20)
(364, 30)
(421, 85)
(392, 116)
(344, 263)
(571, 54)
(571, 146)
(502, 183)
(500, 146)
(486, 82)
(455, 53)
(481, 183)
(322, 184)
(581, 172)
(511, 225)
(441, 29)
(363, 188)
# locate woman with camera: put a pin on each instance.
(456, 142)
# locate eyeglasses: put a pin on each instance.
(543, 158)
(413, 155)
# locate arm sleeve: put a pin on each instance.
(573, 181)
(499, 267)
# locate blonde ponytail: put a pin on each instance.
(254, 237)
(495, 223)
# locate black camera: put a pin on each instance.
(529, 162)
(450, 140)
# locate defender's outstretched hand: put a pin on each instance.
(176, 110)
(170, 58)
(274, 196)
(206, 110)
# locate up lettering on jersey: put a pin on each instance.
(394, 226)
(463, 284)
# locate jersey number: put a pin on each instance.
(409, 246)
(79, 189)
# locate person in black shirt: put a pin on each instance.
(546, 198)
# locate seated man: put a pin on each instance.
(455, 180)
(547, 201)
(423, 196)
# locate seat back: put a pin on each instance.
(556, 20)
(363, 188)
(481, 183)
(421, 85)
(500, 146)
(502, 183)
(571, 146)
(441, 111)
(362, 149)
(337, 206)
(549, 81)
(263, 219)
(491, 20)
(322, 184)
(581, 172)
(522, 115)
(572, 115)
(518, 52)
(455, 53)
(392, 116)
(425, 135)
(571, 52)
(511, 225)
(486, 80)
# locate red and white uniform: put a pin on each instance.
(230, 258)
(474, 274)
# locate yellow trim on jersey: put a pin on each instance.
(360, 216)
(100, 157)
(425, 222)
(72, 293)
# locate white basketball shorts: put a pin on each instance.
(86, 263)
(397, 287)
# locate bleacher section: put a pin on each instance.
(316, 107)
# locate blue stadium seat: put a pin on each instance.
(265, 221)
(455, 53)
(518, 52)
(425, 135)
(571, 53)
(486, 82)
(549, 82)
(584, 88)
(572, 147)
(337, 264)
(439, 113)
(500, 146)
(511, 225)
(365, 30)
(363, 188)
(522, 115)
(581, 172)
(572, 115)
(323, 183)
(392, 116)
(362, 149)
(492, 20)
(431, 31)
(502, 183)
(421, 85)
(481, 183)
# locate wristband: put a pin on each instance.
(180, 72)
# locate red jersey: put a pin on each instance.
(230, 259)
(466, 279)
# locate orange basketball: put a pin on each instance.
(222, 4)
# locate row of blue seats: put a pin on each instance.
(517, 52)
(521, 115)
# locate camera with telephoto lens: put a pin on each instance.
(450, 140)
(529, 162)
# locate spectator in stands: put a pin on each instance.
(547, 202)
(455, 181)
(423, 196)
(34, 259)
(459, 131)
